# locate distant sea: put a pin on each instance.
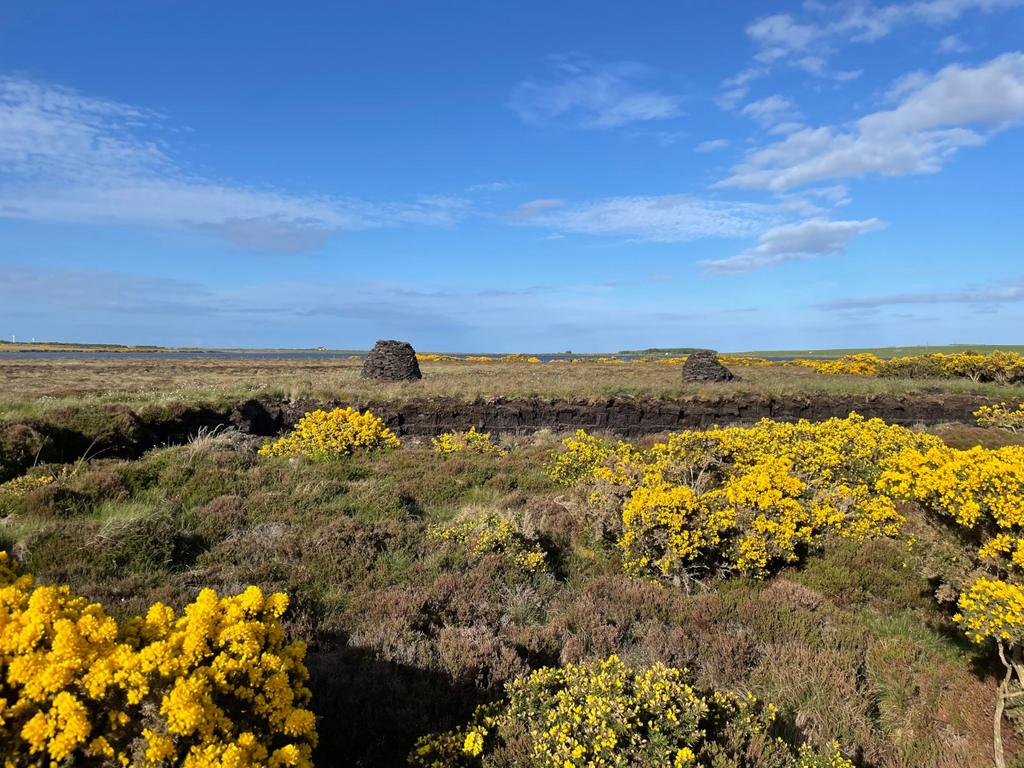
(112, 355)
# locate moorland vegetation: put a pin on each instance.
(832, 594)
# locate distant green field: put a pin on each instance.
(884, 352)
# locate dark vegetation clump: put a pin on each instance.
(391, 360)
(20, 447)
(703, 367)
(410, 630)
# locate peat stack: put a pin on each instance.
(702, 366)
(391, 360)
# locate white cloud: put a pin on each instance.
(666, 219)
(711, 145)
(771, 110)
(809, 42)
(593, 95)
(731, 97)
(953, 44)
(957, 107)
(66, 157)
(795, 242)
(814, 202)
(780, 36)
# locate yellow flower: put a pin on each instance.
(322, 434)
(65, 662)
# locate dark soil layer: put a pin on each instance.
(632, 418)
(67, 434)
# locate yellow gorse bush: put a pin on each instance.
(606, 714)
(864, 364)
(979, 489)
(1006, 367)
(470, 441)
(992, 609)
(1001, 416)
(323, 434)
(743, 498)
(214, 687)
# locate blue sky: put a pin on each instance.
(496, 176)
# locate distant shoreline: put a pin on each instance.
(883, 352)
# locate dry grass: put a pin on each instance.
(27, 382)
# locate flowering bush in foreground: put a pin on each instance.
(742, 498)
(607, 714)
(216, 686)
(992, 609)
(471, 441)
(981, 491)
(1001, 416)
(322, 434)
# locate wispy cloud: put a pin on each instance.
(665, 219)
(67, 157)
(953, 44)
(937, 115)
(492, 186)
(771, 110)
(711, 145)
(809, 41)
(593, 95)
(794, 242)
(1009, 292)
(73, 304)
(95, 290)
(814, 202)
(532, 208)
